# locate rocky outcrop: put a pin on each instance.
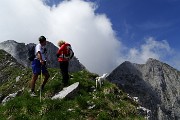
(156, 84)
(69, 91)
(20, 52)
(11, 96)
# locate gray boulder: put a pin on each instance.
(67, 92)
(11, 96)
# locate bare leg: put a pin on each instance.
(46, 77)
(33, 81)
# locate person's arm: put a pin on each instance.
(40, 57)
(38, 53)
(60, 50)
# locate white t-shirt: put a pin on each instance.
(41, 49)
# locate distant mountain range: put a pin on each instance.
(20, 52)
(156, 84)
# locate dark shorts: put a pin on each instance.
(37, 67)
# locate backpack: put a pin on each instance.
(69, 54)
(31, 51)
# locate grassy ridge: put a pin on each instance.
(106, 103)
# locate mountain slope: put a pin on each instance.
(7, 66)
(10, 69)
(108, 102)
(155, 83)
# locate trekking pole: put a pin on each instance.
(40, 84)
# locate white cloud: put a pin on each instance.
(150, 49)
(75, 21)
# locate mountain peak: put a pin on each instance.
(152, 60)
(154, 81)
(9, 41)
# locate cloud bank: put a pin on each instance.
(150, 49)
(91, 35)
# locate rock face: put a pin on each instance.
(19, 52)
(156, 84)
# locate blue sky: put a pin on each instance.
(133, 20)
(103, 33)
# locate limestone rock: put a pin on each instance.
(11, 96)
(67, 91)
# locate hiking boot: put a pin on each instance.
(33, 94)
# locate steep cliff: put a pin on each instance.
(156, 84)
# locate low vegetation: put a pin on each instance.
(106, 103)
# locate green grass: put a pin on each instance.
(109, 102)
